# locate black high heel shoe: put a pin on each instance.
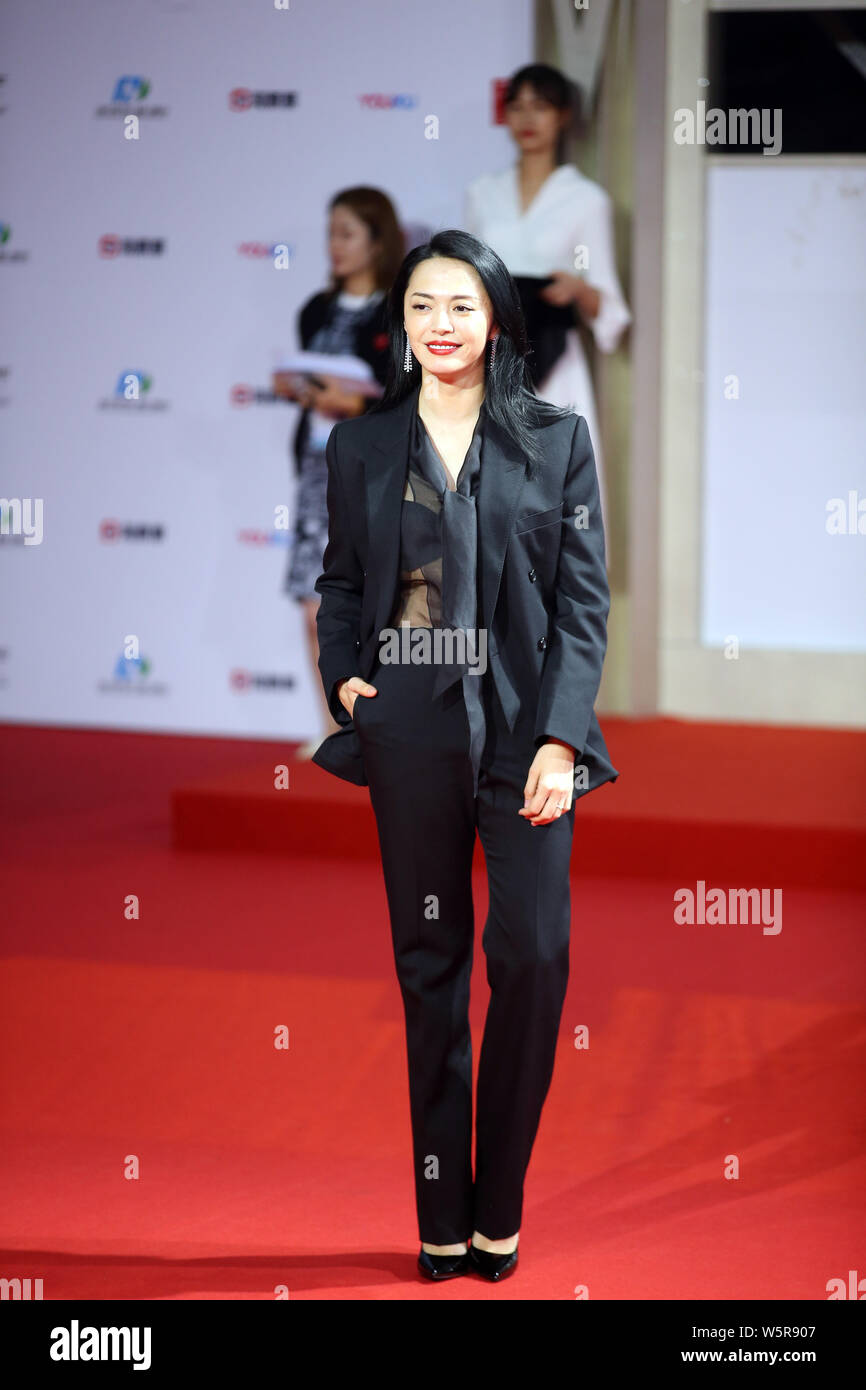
(443, 1266)
(492, 1267)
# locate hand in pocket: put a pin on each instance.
(352, 689)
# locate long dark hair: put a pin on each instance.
(508, 396)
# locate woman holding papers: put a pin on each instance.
(347, 319)
(549, 222)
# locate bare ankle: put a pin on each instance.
(495, 1247)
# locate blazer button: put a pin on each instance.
(542, 643)
(357, 646)
(532, 576)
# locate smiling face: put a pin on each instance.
(448, 317)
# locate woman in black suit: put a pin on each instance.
(462, 631)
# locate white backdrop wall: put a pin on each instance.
(155, 518)
(760, 611)
(784, 478)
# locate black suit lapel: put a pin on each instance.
(503, 472)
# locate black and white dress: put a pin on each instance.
(310, 536)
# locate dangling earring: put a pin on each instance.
(407, 360)
(493, 351)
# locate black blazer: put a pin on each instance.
(543, 589)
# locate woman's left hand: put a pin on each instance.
(549, 784)
(331, 400)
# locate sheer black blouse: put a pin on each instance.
(438, 562)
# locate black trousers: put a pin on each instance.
(416, 757)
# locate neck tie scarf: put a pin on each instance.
(459, 576)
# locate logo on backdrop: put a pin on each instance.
(127, 99)
(253, 395)
(388, 101)
(10, 254)
(243, 681)
(132, 676)
(243, 99)
(111, 530)
(132, 392)
(260, 538)
(110, 246)
(263, 251)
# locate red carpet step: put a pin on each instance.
(696, 800)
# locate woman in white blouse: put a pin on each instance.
(544, 218)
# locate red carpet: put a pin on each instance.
(740, 801)
(150, 1039)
